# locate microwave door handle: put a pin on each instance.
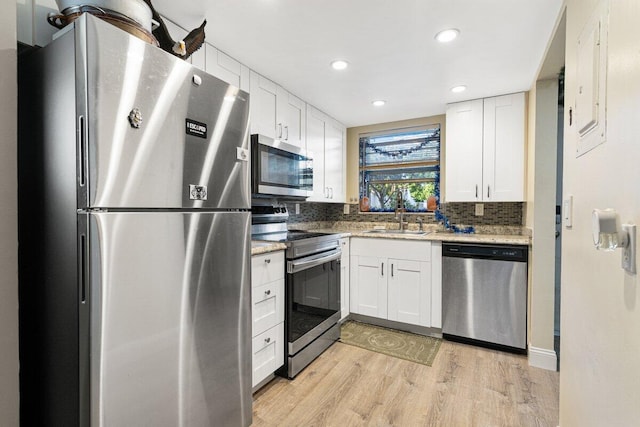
(310, 262)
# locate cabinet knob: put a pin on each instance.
(267, 340)
(268, 260)
(267, 292)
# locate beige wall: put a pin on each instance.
(531, 155)
(600, 347)
(8, 220)
(352, 146)
(541, 268)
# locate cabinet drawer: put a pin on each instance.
(268, 353)
(267, 306)
(267, 268)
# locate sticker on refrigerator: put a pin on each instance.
(196, 128)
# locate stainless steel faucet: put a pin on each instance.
(400, 210)
(419, 221)
(400, 214)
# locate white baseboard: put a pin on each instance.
(543, 358)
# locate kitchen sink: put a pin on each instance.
(406, 232)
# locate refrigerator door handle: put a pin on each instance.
(83, 268)
(82, 151)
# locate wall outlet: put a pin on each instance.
(345, 209)
(479, 209)
(297, 208)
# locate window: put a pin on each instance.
(401, 161)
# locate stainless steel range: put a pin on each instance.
(312, 291)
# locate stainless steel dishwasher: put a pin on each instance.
(484, 295)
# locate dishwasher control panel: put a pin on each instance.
(498, 252)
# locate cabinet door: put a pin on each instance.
(334, 161)
(268, 353)
(503, 159)
(24, 21)
(290, 118)
(42, 31)
(315, 145)
(267, 268)
(263, 105)
(463, 152)
(267, 302)
(410, 292)
(369, 286)
(223, 66)
(344, 278)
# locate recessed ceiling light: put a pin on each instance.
(458, 89)
(339, 64)
(446, 36)
(378, 103)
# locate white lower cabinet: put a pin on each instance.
(409, 292)
(396, 280)
(268, 353)
(267, 314)
(344, 278)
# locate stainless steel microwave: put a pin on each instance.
(279, 169)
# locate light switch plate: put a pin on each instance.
(567, 211)
(297, 208)
(345, 209)
(479, 209)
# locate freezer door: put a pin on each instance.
(170, 329)
(158, 132)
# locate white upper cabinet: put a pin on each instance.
(326, 143)
(504, 145)
(463, 148)
(290, 118)
(226, 68)
(32, 26)
(485, 150)
(335, 160)
(263, 105)
(315, 146)
(276, 113)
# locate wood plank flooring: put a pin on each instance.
(466, 386)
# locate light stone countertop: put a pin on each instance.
(497, 235)
(260, 247)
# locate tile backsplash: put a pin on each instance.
(507, 213)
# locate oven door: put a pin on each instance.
(313, 297)
(280, 169)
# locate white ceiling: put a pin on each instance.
(389, 45)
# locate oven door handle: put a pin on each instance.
(312, 261)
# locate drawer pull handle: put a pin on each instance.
(267, 340)
(268, 260)
(267, 292)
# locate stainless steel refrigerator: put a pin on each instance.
(134, 236)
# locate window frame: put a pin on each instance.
(391, 166)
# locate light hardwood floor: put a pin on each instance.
(466, 386)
